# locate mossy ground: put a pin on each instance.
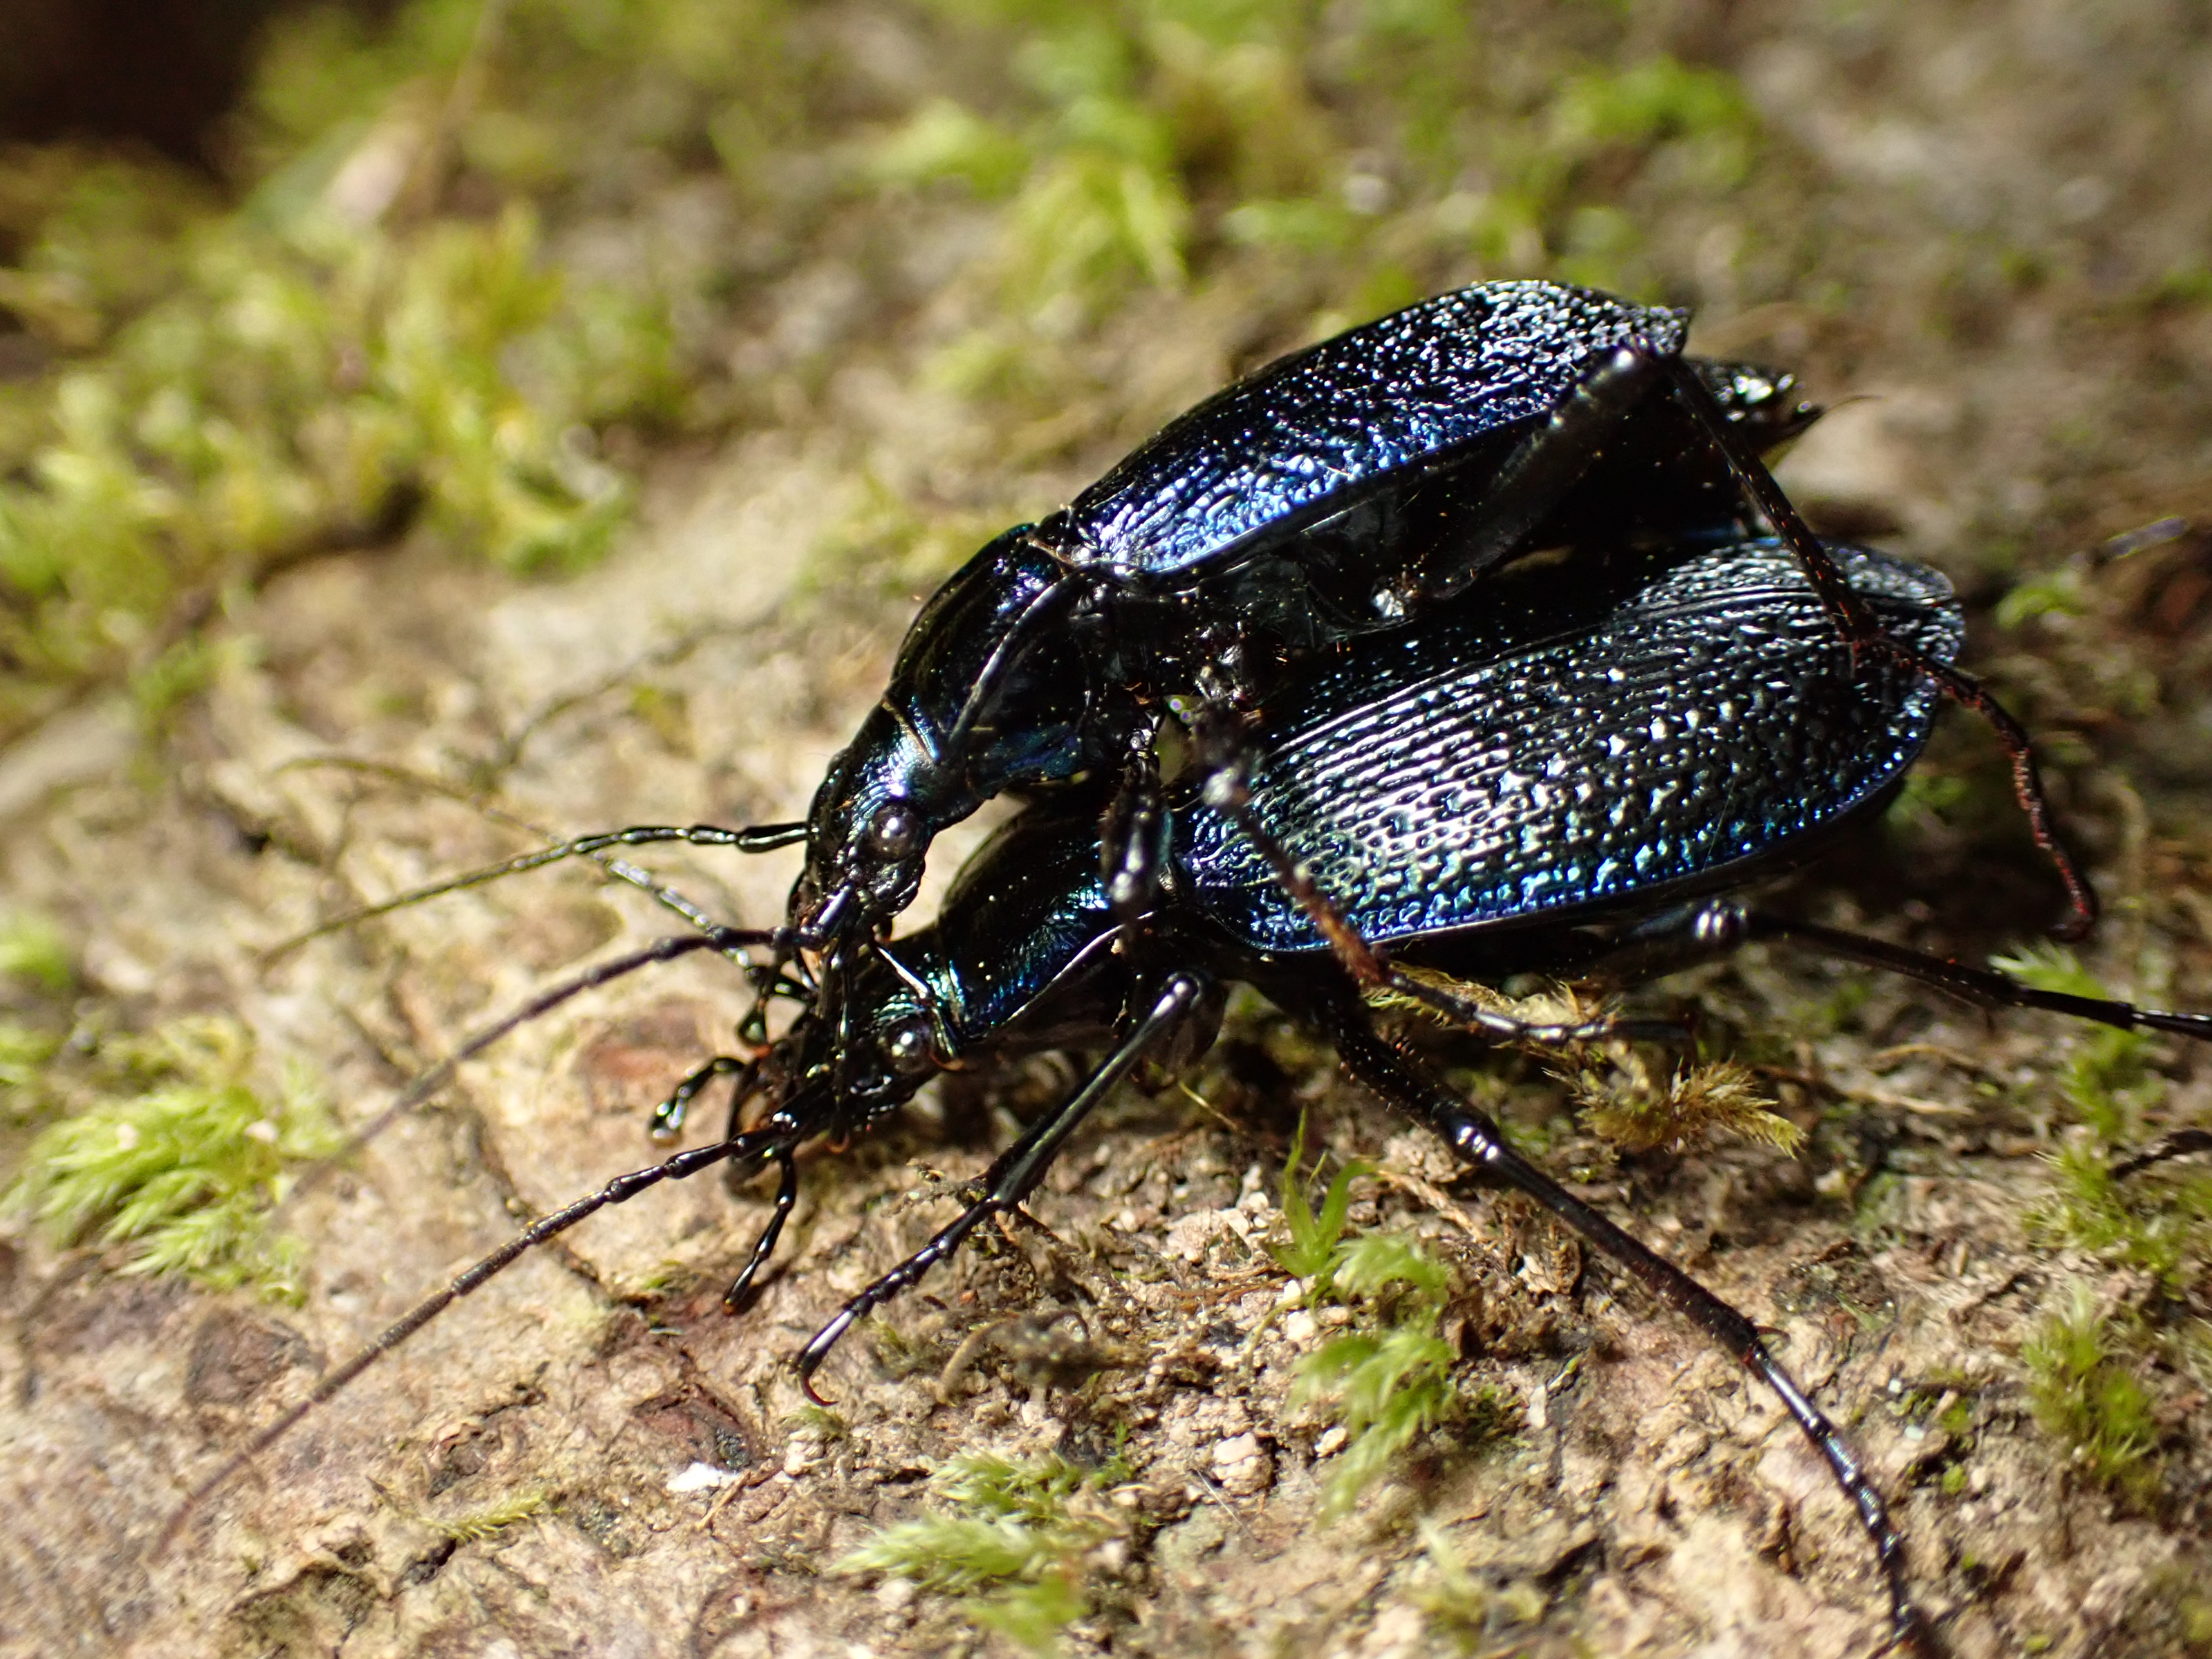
(752, 320)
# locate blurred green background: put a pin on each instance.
(278, 280)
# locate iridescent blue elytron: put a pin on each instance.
(1568, 745)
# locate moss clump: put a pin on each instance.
(477, 1525)
(1389, 1381)
(2086, 1393)
(2091, 1375)
(1310, 1251)
(172, 1154)
(1625, 1104)
(1463, 1612)
(1017, 1541)
(35, 953)
(356, 340)
(1163, 148)
(2107, 1079)
(303, 386)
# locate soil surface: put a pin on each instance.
(588, 1456)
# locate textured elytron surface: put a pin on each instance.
(1493, 767)
(1441, 375)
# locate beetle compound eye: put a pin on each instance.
(895, 831)
(906, 1047)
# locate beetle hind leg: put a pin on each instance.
(1477, 1140)
(1984, 988)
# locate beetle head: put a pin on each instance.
(868, 1048)
(868, 834)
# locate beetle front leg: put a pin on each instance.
(668, 1117)
(1133, 834)
(1016, 1173)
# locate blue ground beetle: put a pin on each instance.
(1339, 492)
(1568, 778)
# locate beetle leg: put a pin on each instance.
(668, 1116)
(786, 1199)
(1133, 834)
(1476, 1140)
(1855, 621)
(1043, 613)
(1982, 987)
(1545, 467)
(2179, 1144)
(1018, 1169)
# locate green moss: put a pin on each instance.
(821, 1421)
(2085, 1393)
(172, 1153)
(1310, 1251)
(1013, 1542)
(1620, 1101)
(1388, 1380)
(233, 384)
(1167, 145)
(477, 1525)
(339, 349)
(35, 954)
(25, 1053)
(2107, 1081)
(2162, 1224)
(1463, 1612)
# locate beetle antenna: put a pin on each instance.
(620, 1190)
(407, 777)
(758, 838)
(428, 1083)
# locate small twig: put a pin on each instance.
(1437, 1200)
(1912, 1103)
